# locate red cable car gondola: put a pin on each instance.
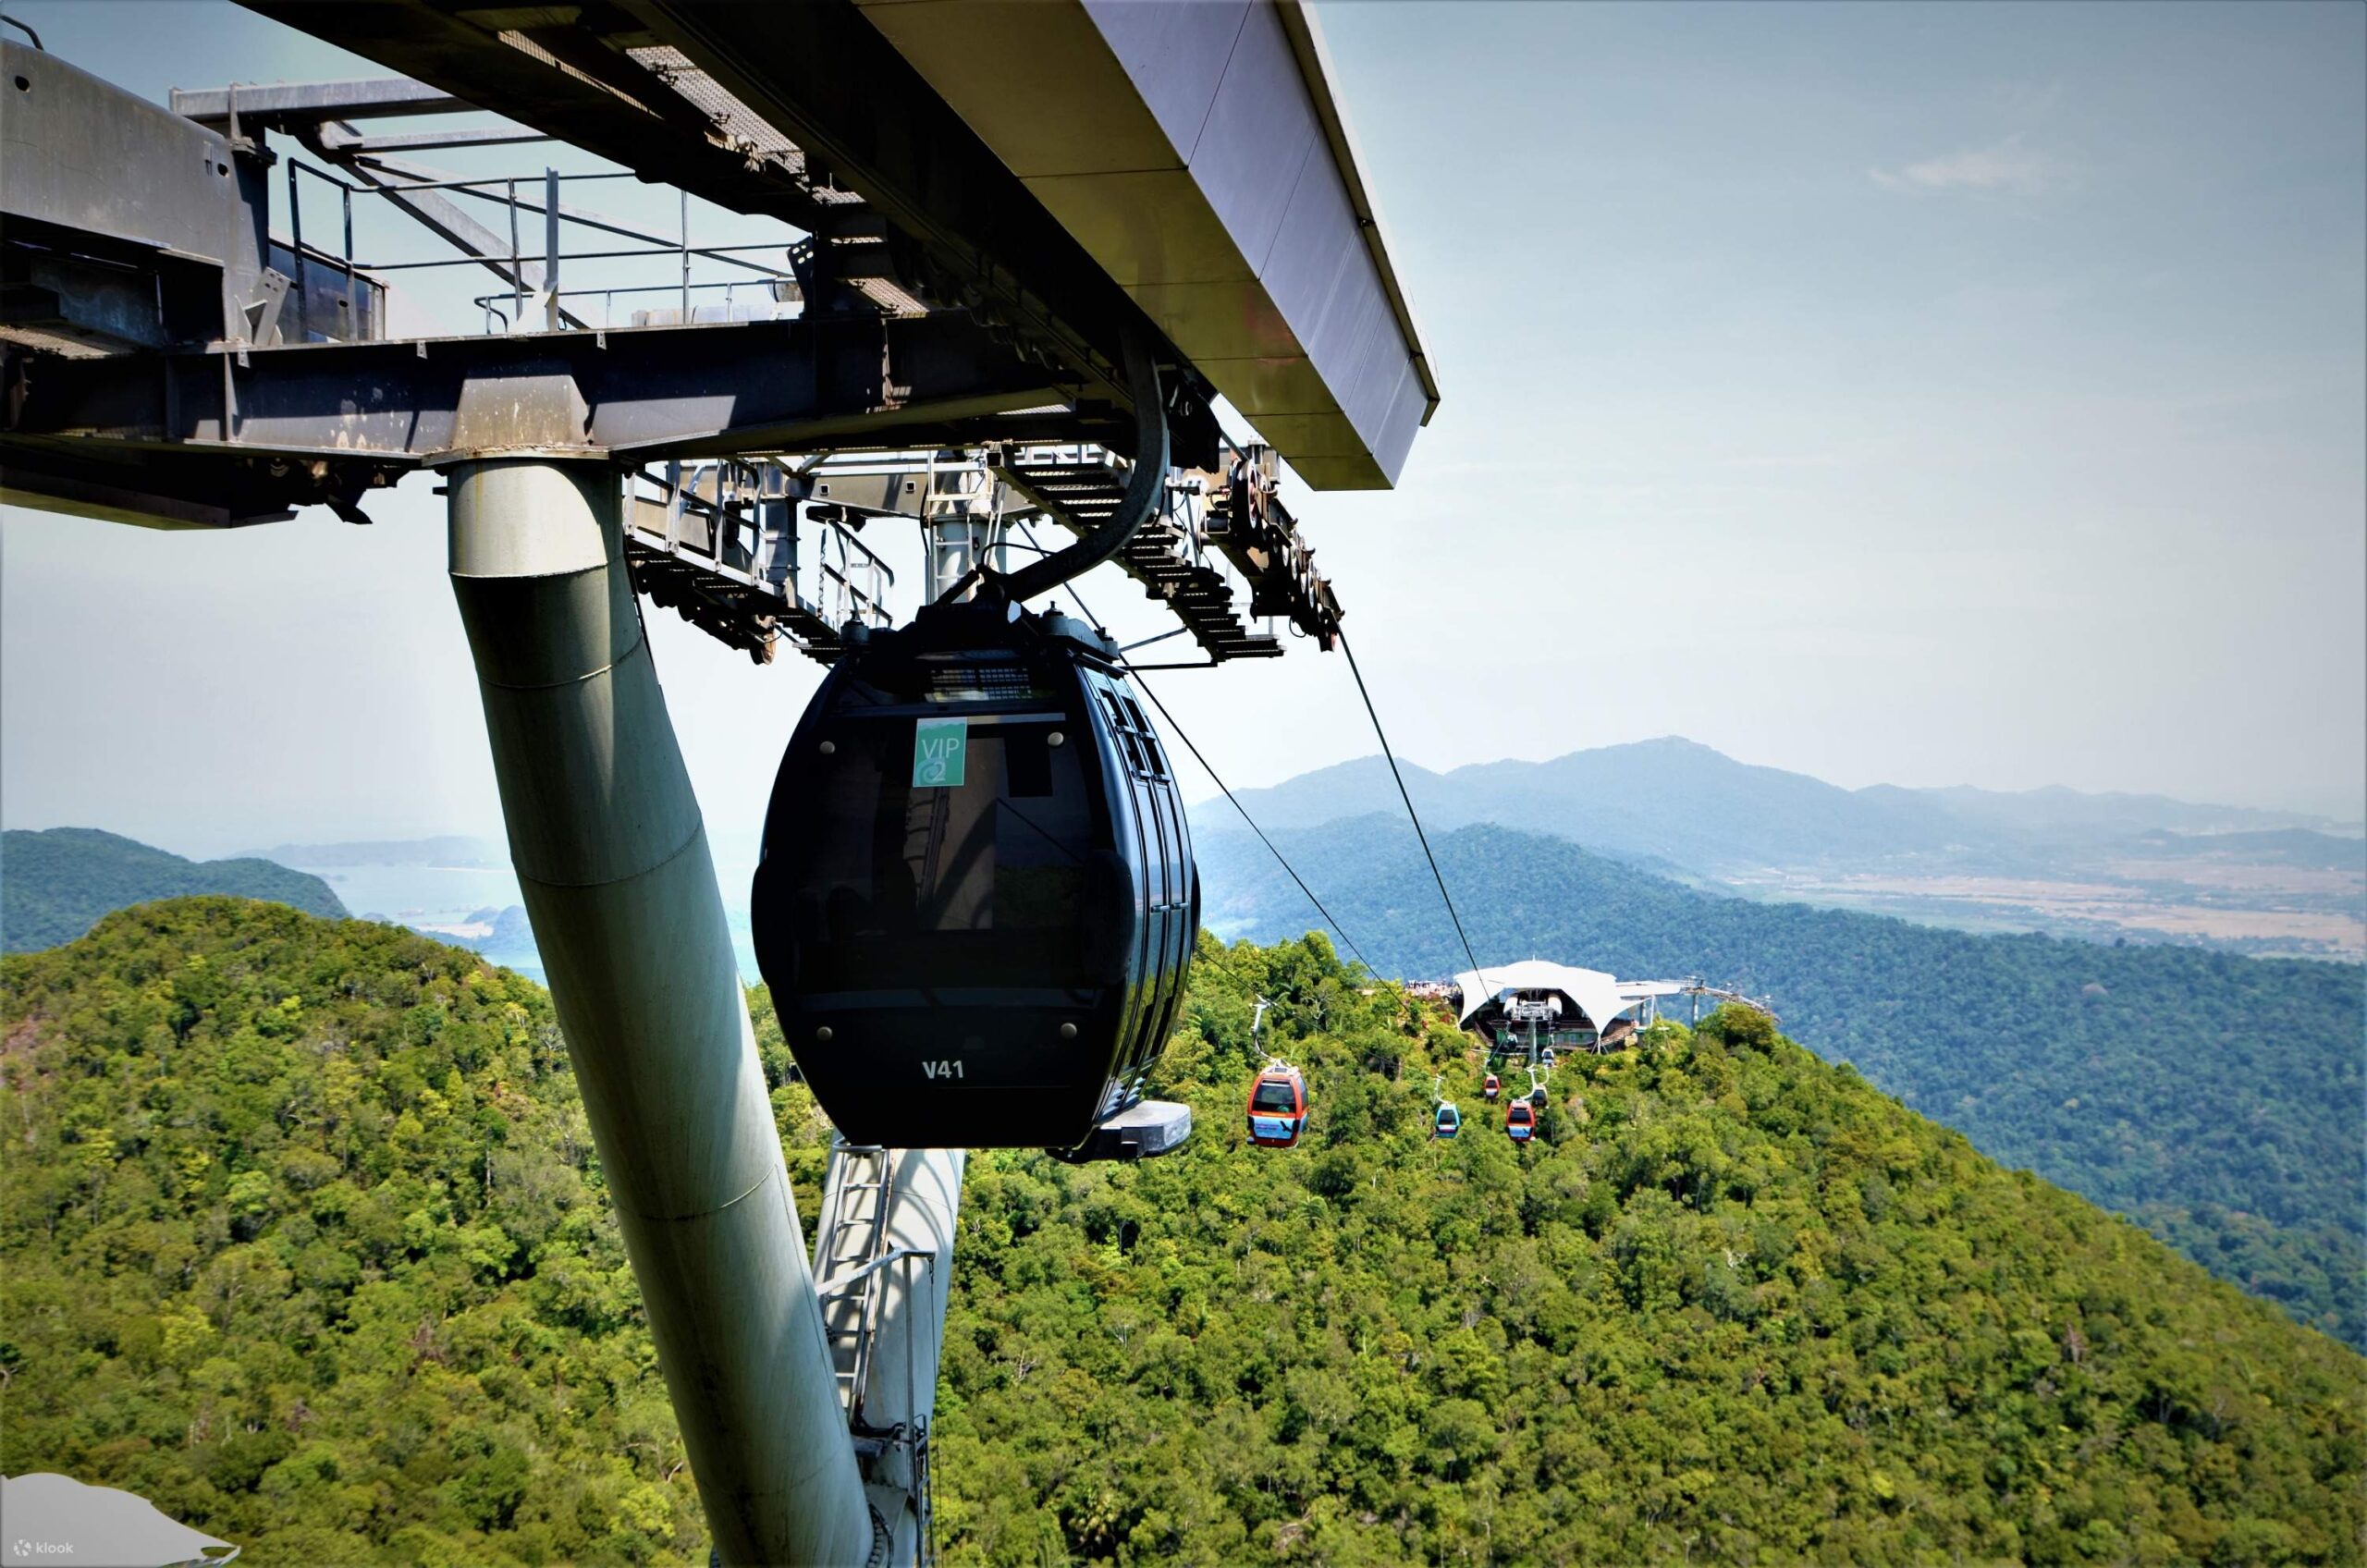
(1520, 1121)
(1491, 1087)
(1278, 1108)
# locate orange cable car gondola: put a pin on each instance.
(1278, 1108)
(1520, 1121)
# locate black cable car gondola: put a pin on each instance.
(977, 902)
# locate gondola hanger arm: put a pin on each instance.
(1146, 491)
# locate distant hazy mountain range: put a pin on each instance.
(2140, 866)
(1680, 802)
(55, 884)
(448, 850)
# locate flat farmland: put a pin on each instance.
(2265, 909)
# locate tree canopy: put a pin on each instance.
(2213, 1096)
(303, 1238)
(1733, 1303)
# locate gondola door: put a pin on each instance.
(1158, 875)
(1164, 810)
(1138, 844)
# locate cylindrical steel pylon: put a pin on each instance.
(612, 858)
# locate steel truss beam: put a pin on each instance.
(965, 231)
(635, 394)
(295, 106)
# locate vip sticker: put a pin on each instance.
(939, 748)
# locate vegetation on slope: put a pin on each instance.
(302, 1237)
(1734, 1305)
(55, 884)
(2213, 1097)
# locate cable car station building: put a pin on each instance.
(1535, 1005)
(1009, 258)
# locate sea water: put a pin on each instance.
(462, 904)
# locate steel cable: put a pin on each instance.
(1279, 857)
(1391, 758)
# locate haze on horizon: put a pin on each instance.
(1924, 395)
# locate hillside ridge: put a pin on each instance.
(56, 882)
(312, 1252)
(2213, 1095)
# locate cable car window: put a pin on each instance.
(980, 682)
(1136, 714)
(1162, 930)
(1274, 1096)
(1127, 829)
(955, 882)
(1133, 750)
(1170, 851)
(1027, 761)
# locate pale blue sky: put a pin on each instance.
(1928, 393)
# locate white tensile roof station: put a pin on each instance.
(1600, 996)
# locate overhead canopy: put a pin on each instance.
(1065, 168)
(1597, 995)
(1196, 152)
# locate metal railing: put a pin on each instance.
(504, 191)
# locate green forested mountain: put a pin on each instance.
(302, 1237)
(1734, 1306)
(53, 884)
(2217, 1098)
